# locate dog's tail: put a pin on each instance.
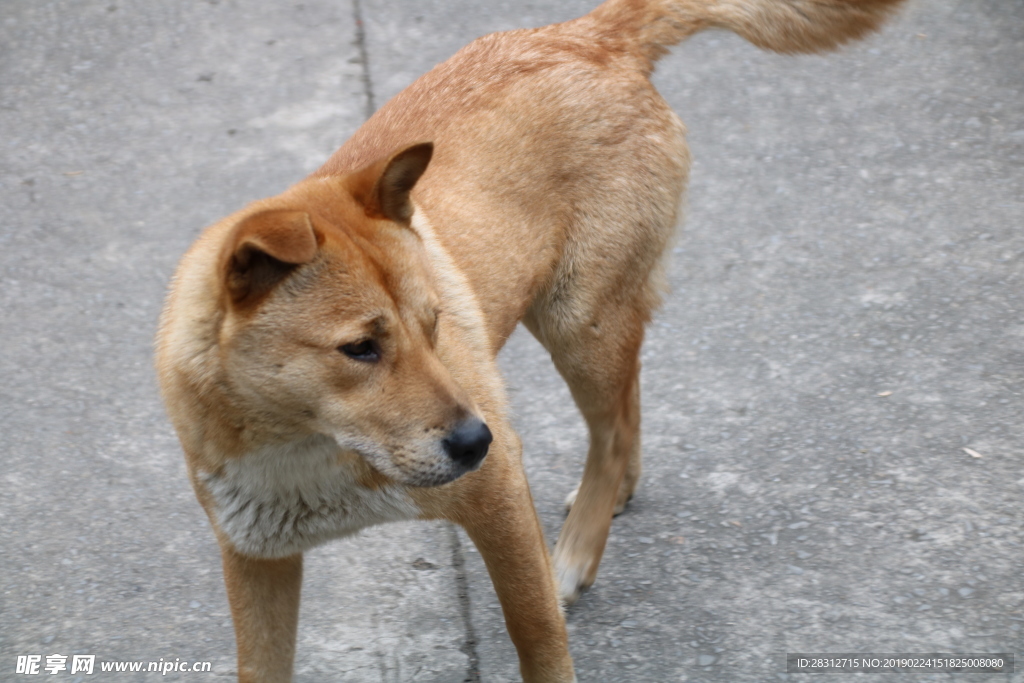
(649, 27)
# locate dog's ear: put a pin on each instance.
(264, 248)
(383, 187)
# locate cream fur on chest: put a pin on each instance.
(285, 499)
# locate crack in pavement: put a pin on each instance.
(357, 14)
(462, 590)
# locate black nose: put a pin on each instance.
(467, 444)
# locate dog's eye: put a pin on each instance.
(366, 351)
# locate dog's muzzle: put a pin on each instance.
(467, 443)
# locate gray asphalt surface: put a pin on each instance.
(845, 320)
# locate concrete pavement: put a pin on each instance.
(845, 319)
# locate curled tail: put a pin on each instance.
(649, 27)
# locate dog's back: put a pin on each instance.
(559, 131)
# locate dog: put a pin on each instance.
(327, 355)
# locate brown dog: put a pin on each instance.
(327, 355)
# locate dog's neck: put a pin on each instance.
(284, 498)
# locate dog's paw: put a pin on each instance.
(574, 574)
(620, 504)
(570, 583)
(571, 498)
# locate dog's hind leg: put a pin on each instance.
(629, 481)
(600, 362)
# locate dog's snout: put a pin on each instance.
(467, 443)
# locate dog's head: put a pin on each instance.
(331, 325)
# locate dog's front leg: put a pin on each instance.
(506, 531)
(264, 597)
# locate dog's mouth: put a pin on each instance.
(436, 477)
(461, 451)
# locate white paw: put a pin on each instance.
(571, 498)
(570, 583)
(620, 507)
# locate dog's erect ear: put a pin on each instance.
(265, 247)
(383, 187)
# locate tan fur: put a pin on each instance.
(319, 350)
